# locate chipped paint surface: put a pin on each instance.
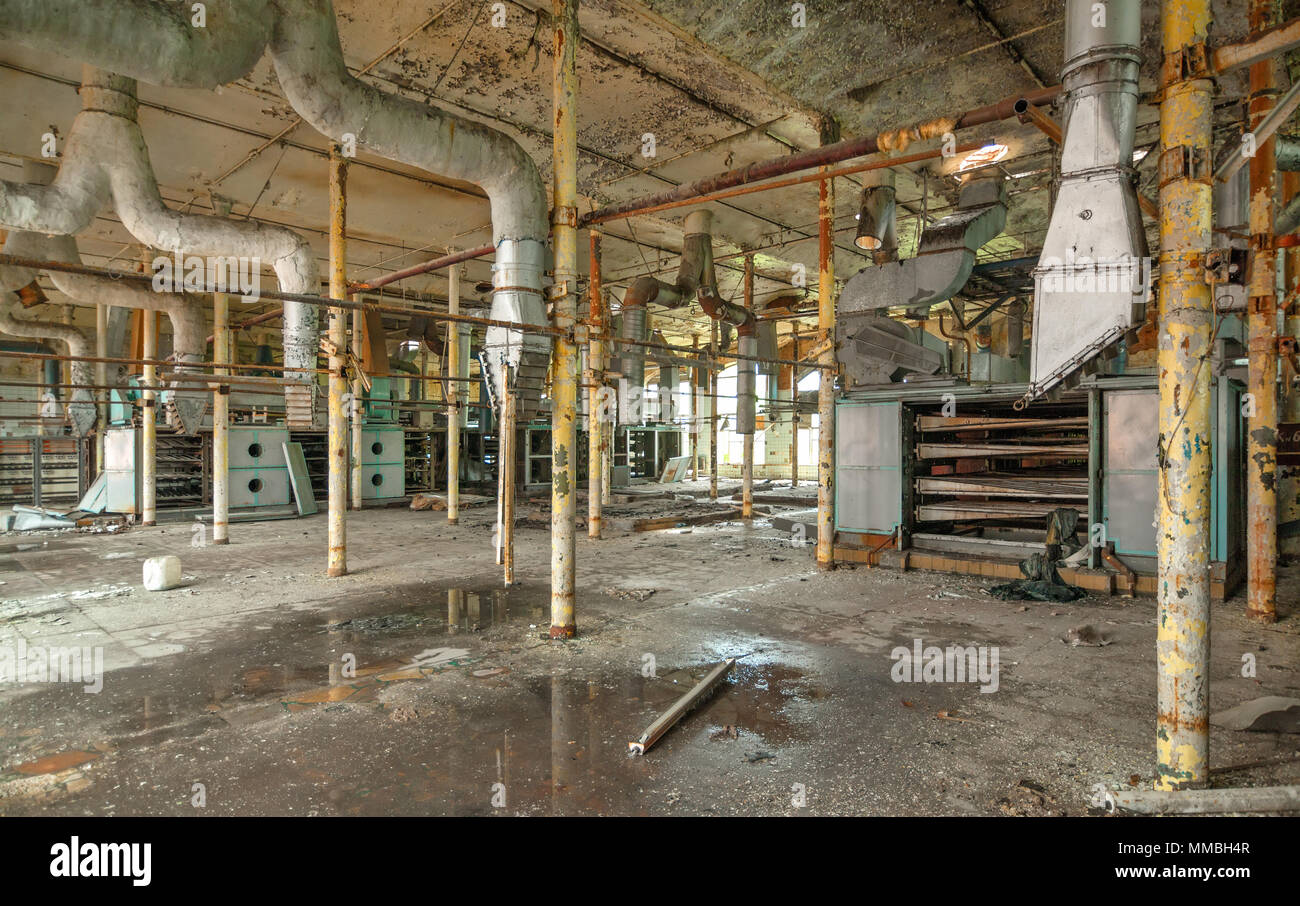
(826, 393)
(1186, 321)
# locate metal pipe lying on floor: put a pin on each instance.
(680, 708)
(1205, 802)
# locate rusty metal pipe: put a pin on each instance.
(826, 391)
(824, 156)
(221, 423)
(425, 267)
(595, 391)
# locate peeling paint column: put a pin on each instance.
(1261, 320)
(456, 404)
(149, 421)
(747, 462)
(564, 369)
(508, 463)
(713, 409)
(1185, 327)
(338, 337)
(355, 407)
(221, 421)
(1289, 485)
(595, 384)
(826, 391)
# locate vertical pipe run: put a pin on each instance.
(826, 391)
(1184, 452)
(564, 370)
(713, 410)
(221, 422)
(338, 335)
(457, 397)
(508, 463)
(1261, 441)
(746, 400)
(595, 380)
(101, 378)
(1289, 501)
(355, 408)
(149, 422)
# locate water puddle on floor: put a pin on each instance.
(494, 741)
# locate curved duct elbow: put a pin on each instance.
(877, 224)
(81, 408)
(944, 259)
(1092, 279)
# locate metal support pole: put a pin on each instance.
(149, 422)
(1184, 454)
(794, 419)
(1289, 502)
(355, 409)
(101, 378)
(457, 390)
(564, 369)
(747, 461)
(508, 463)
(338, 338)
(221, 422)
(713, 412)
(1261, 434)
(595, 380)
(826, 392)
(608, 427)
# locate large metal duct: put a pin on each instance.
(944, 259)
(1091, 283)
(81, 407)
(105, 157)
(697, 249)
(155, 43)
(184, 407)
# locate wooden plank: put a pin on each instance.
(667, 522)
(942, 423)
(958, 451)
(985, 509)
(1060, 489)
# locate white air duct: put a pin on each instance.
(105, 158)
(157, 45)
(1092, 279)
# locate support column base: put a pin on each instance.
(220, 540)
(1261, 616)
(563, 632)
(452, 520)
(335, 572)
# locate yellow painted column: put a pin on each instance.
(1185, 436)
(338, 337)
(1261, 320)
(221, 421)
(355, 408)
(457, 390)
(747, 456)
(595, 383)
(564, 368)
(713, 410)
(826, 393)
(149, 422)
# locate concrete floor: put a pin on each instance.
(236, 681)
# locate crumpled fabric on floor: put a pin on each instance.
(1042, 582)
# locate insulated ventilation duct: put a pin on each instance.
(154, 42)
(1093, 277)
(105, 158)
(875, 349)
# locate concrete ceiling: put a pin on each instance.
(719, 83)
